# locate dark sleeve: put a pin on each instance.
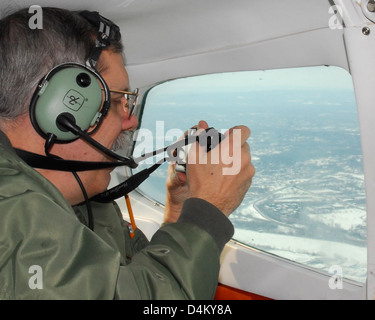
(206, 216)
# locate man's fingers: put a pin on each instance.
(245, 132)
(202, 125)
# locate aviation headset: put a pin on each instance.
(73, 92)
(69, 92)
(72, 98)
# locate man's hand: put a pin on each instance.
(223, 175)
(177, 189)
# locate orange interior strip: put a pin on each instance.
(228, 293)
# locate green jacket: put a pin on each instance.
(46, 251)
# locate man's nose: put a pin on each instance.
(129, 124)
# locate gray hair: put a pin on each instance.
(26, 55)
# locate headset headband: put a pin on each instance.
(107, 31)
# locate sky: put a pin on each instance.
(312, 77)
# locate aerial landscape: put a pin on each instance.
(307, 200)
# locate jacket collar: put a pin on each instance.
(5, 141)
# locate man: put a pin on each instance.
(46, 249)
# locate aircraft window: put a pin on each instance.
(307, 200)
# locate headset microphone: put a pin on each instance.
(64, 121)
(209, 138)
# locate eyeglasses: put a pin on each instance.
(130, 97)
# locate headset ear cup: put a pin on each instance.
(72, 89)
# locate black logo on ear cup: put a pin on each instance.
(73, 100)
(83, 80)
